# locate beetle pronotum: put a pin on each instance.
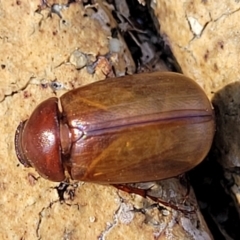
(137, 128)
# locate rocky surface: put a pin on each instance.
(47, 49)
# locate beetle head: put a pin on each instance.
(37, 141)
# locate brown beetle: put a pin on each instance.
(136, 128)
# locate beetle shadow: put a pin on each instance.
(213, 178)
(226, 144)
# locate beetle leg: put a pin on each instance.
(185, 181)
(129, 189)
(144, 193)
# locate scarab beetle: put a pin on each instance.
(136, 128)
